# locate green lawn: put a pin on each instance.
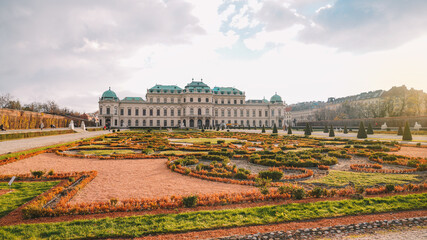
(137, 226)
(105, 152)
(340, 178)
(182, 152)
(23, 192)
(203, 140)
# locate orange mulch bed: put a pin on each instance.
(412, 152)
(123, 179)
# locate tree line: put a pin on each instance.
(50, 106)
(396, 102)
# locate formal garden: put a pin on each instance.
(178, 181)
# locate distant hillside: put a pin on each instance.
(396, 102)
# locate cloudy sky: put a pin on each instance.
(72, 51)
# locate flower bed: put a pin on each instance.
(419, 163)
(63, 192)
(306, 173)
(397, 188)
(376, 168)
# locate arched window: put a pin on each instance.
(129, 123)
(136, 123)
(199, 111)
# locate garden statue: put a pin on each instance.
(384, 126)
(71, 125)
(417, 126)
(83, 126)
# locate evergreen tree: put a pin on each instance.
(307, 131)
(311, 129)
(362, 132)
(345, 129)
(407, 136)
(370, 131)
(274, 128)
(263, 129)
(400, 131)
(331, 132)
(326, 130)
(289, 130)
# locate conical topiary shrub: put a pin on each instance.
(407, 136)
(289, 130)
(274, 129)
(326, 130)
(345, 129)
(400, 131)
(361, 133)
(311, 128)
(307, 131)
(331, 132)
(370, 131)
(263, 129)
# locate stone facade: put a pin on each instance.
(196, 105)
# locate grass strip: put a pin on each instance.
(23, 192)
(337, 178)
(10, 136)
(106, 152)
(203, 140)
(137, 226)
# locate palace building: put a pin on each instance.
(197, 105)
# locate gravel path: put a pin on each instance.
(401, 234)
(28, 143)
(412, 152)
(122, 179)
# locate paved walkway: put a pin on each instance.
(383, 137)
(28, 143)
(38, 130)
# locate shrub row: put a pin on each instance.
(376, 168)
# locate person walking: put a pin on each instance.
(41, 126)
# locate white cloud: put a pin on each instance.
(368, 25)
(276, 15)
(52, 49)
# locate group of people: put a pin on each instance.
(41, 127)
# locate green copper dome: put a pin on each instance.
(109, 95)
(276, 98)
(196, 86)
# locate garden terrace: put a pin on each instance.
(145, 171)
